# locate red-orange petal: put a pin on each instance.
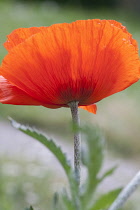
(84, 61)
(20, 35)
(91, 108)
(119, 25)
(10, 94)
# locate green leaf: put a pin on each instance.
(84, 154)
(49, 143)
(106, 200)
(92, 158)
(95, 142)
(56, 150)
(108, 173)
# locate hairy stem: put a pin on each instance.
(126, 192)
(77, 141)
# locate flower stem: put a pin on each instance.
(126, 192)
(77, 141)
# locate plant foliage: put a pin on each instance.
(86, 197)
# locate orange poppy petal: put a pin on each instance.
(20, 35)
(90, 108)
(84, 61)
(116, 64)
(119, 25)
(10, 94)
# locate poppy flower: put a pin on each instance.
(83, 61)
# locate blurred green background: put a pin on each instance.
(118, 115)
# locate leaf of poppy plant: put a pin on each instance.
(108, 173)
(56, 150)
(106, 200)
(92, 158)
(49, 143)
